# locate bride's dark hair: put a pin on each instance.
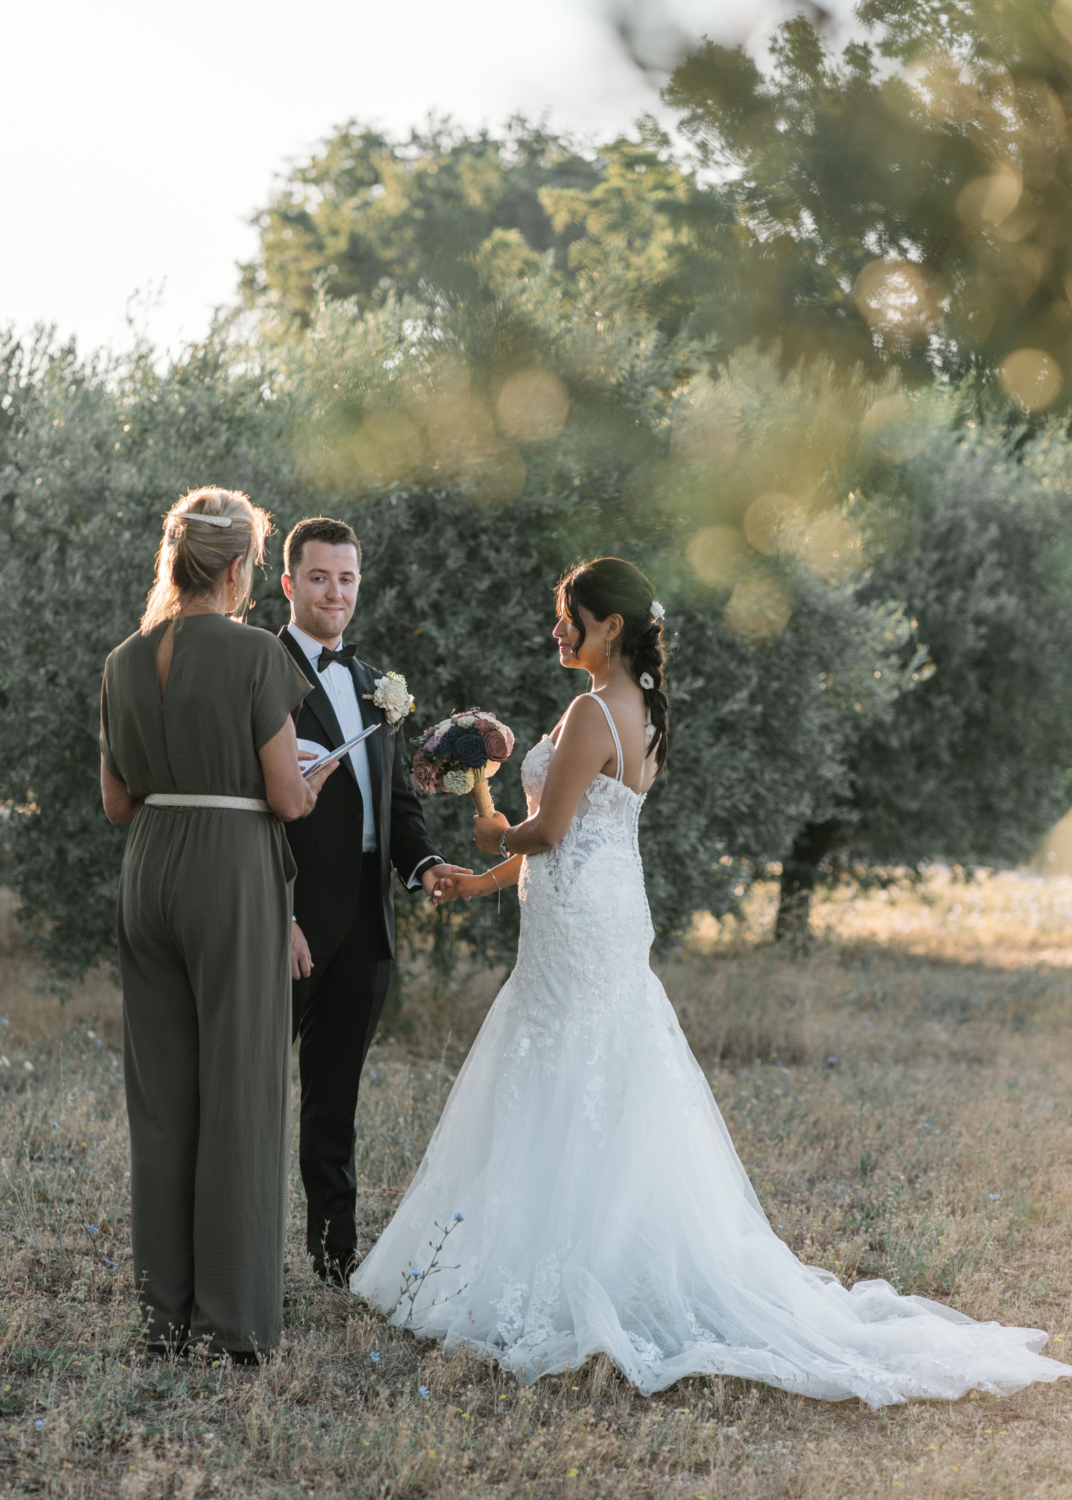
(610, 586)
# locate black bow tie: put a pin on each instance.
(344, 656)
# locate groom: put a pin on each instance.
(366, 819)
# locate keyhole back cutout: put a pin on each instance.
(165, 649)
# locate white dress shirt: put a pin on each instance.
(339, 685)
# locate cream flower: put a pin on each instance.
(393, 696)
(459, 782)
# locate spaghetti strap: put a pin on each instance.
(617, 742)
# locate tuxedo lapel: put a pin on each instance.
(317, 700)
(365, 682)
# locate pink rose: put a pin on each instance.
(423, 779)
(497, 744)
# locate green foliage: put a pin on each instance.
(456, 595)
(917, 214)
(974, 764)
(374, 217)
(497, 354)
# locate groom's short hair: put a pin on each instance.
(317, 529)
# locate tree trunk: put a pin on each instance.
(799, 870)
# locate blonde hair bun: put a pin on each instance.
(192, 559)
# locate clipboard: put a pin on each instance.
(309, 766)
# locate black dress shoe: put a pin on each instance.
(331, 1271)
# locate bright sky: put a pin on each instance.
(140, 138)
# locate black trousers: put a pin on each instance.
(336, 1011)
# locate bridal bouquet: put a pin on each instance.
(459, 754)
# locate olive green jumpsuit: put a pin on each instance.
(204, 942)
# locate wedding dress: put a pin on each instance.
(593, 1196)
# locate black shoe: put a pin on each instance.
(331, 1271)
(165, 1351)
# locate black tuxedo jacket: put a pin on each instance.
(327, 844)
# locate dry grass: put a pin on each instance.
(936, 1151)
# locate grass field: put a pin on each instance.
(901, 1097)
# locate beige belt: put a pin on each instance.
(186, 799)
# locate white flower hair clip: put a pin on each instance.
(195, 515)
(647, 681)
(657, 611)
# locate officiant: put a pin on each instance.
(367, 820)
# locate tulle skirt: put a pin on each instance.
(581, 1194)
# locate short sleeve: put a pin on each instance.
(105, 739)
(278, 689)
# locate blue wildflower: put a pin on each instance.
(374, 1358)
(92, 1228)
(994, 1197)
(867, 1023)
(99, 1042)
(39, 1423)
(925, 1125)
(108, 1262)
(424, 1391)
(458, 1218)
(55, 1124)
(4, 1021)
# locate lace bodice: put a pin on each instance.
(605, 825)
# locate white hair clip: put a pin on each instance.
(647, 681)
(195, 515)
(657, 611)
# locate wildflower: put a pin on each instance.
(55, 1124)
(108, 1262)
(99, 1042)
(926, 1126)
(39, 1423)
(4, 1021)
(831, 1061)
(92, 1228)
(424, 1391)
(374, 1358)
(28, 1066)
(867, 1023)
(994, 1197)
(458, 1218)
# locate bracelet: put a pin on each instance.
(503, 850)
(494, 882)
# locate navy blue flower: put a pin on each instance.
(471, 750)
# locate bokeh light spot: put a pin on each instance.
(1031, 377)
(759, 608)
(766, 522)
(892, 430)
(899, 296)
(718, 555)
(532, 406)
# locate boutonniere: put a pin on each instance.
(393, 696)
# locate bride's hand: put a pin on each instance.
(460, 888)
(488, 831)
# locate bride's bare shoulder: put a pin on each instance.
(583, 718)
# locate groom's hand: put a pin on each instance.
(301, 960)
(437, 880)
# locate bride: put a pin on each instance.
(581, 1192)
